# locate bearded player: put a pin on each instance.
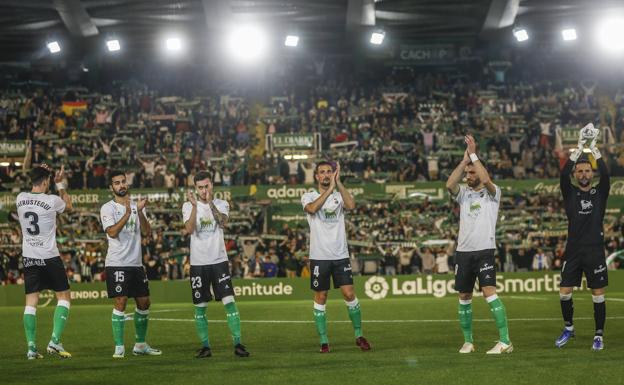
(124, 222)
(329, 255)
(204, 220)
(474, 256)
(43, 267)
(585, 208)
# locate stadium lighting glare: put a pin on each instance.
(611, 35)
(113, 45)
(247, 44)
(173, 44)
(521, 34)
(377, 37)
(569, 34)
(54, 47)
(291, 41)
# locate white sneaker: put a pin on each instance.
(145, 350)
(58, 350)
(33, 355)
(120, 352)
(501, 348)
(467, 347)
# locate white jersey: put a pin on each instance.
(207, 244)
(125, 250)
(328, 238)
(37, 217)
(477, 219)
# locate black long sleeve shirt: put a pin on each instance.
(585, 209)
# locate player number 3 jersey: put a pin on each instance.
(207, 244)
(37, 217)
(125, 250)
(328, 238)
(477, 219)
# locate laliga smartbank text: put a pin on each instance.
(378, 287)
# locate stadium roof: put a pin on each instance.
(329, 26)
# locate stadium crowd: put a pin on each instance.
(392, 131)
(408, 131)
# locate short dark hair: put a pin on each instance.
(582, 160)
(324, 163)
(113, 174)
(38, 175)
(201, 176)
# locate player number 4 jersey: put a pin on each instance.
(328, 238)
(207, 243)
(125, 250)
(37, 216)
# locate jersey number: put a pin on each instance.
(196, 282)
(316, 271)
(119, 276)
(34, 219)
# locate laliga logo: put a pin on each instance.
(376, 288)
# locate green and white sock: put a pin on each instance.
(320, 319)
(201, 324)
(233, 319)
(30, 327)
(61, 313)
(500, 317)
(119, 318)
(356, 316)
(465, 319)
(140, 325)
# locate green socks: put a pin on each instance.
(321, 322)
(60, 319)
(140, 325)
(233, 320)
(500, 317)
(465, 319)
(30, 327)
(356, 316)
(118, 327)
(201, 324)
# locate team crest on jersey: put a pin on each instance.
(118, 288)
(197, 294)
(592, 191)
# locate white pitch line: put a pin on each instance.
(378, 321)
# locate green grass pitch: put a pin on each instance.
(415, 341)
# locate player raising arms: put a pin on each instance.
(205, 220)
(124, 222)
(478, 202)
(329, 255)
(43, 267)
(585, 208)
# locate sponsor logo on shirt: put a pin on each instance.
(586, 207)
(28, 262)
(206, 224)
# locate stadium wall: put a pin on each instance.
(373, 287)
